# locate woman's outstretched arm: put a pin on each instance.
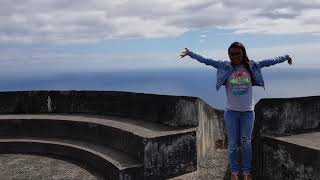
(273, 61)
(210, 62)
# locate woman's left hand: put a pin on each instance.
(289, 60)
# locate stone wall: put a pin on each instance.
(176, 111)
(274, 118)
(287, 116)
(211, 132)
(285, 160)
(274, 158)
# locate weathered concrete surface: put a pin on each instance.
(285, 160)
(123, 134)
(283, 147)
(22, 166)
(175, 147)
(113, 165)
(287, 116)
(308, 140)
(170, 156)
(178, 111)
(166, 153)
(212, 153)
(211, 132)
(87, 129)
(134, 126)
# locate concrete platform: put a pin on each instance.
(137, 127)
(291, 157)
(286, 138)
(308, 140)
(169, 135)
(127, 135)
(163, 150)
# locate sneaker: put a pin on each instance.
(234, 177)
(247, 177)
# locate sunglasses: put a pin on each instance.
(235, 54)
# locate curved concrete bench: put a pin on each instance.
(110, 163)
(158, 147)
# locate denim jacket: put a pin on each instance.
(225, 68)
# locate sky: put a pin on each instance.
(46, 37)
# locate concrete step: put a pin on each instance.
(121, 133)
(137, 127)
(307, 140)
(165, 151)
(291, 157)
(112, 164)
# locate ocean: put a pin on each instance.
(280, 83)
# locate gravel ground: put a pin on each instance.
(32, 167)
(215, 167)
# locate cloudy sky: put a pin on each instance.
(53, 36)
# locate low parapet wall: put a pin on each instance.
(176, 111)
(285, 143)
(211, 132)
(275, 118)
(285, 116)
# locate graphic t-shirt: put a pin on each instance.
(239, 90)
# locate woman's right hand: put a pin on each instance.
(184, 53)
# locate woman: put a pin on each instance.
(239, 75)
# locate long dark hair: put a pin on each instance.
(245, 59)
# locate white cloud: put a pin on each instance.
(64, 21)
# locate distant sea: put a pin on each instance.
(280, 83)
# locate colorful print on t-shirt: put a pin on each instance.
(240, 82)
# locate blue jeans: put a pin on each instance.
(239, 126)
